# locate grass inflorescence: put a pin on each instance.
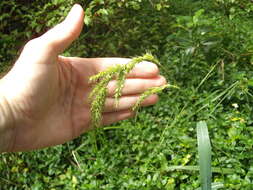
(150, 91)
(119, 73)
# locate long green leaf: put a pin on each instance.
(204, 151)
(215, 186)
(196, 168)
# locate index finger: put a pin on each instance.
(141, 70)
(95, 65)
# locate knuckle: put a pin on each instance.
(37, 45)
(155, 69)
(31, 44)
(161, 81)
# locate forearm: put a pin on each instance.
(6, 123)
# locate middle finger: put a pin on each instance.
(136, 86)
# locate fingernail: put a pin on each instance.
(72, 13)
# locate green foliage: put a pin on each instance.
(205, 47)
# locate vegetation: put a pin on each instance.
(205, 48)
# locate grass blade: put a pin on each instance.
(217, 185)
(196, 168)
(204, 150)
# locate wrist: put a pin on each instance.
(6, 123)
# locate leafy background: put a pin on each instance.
(205, 47)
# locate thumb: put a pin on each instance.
(55, 41)
(63, 34)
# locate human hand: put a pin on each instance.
(45, 96)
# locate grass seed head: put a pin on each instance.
(119, 73)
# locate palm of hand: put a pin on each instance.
(49, 108)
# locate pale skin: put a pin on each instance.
(44, 98)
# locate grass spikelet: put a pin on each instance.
(121, 77)
(110, 70)
(98, 95)
(150, 91)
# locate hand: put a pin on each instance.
(47, 94)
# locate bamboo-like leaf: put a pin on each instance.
(204, 151)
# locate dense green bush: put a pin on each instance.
(206, 48)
